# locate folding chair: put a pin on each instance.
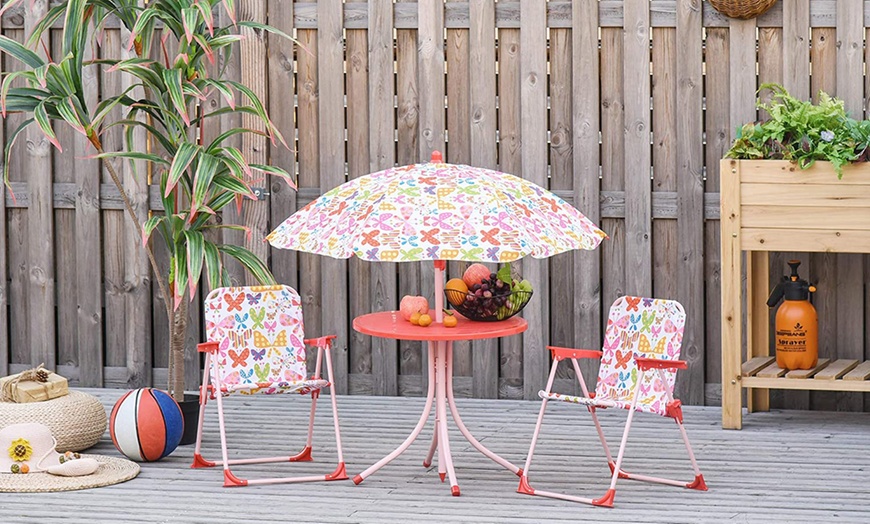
(637, 371)
(255, 345)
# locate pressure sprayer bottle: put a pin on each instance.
(797, 324)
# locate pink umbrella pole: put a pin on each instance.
(440, 266)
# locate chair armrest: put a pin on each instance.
(655, 363)
(320, 342)
(207, 347)
(560, 353)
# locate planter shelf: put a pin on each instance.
(772, 205)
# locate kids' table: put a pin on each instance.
(390, 324)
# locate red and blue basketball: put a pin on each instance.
(146, 424)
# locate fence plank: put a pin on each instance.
(533, 91)
(824, 265)
(561, 324)
(510, 161)
(430, 76)
(381, 147)
(458, 149)
(690, 195)
(638, 243)
(64, 235)
(664, 157)
(88, 266)
(330, 65)
(850, 267)
(612, 161)
(40, 230)
(19, 333)
(483, 153)
(137, 272)
(408, 152)
(586, 123)
(309, 177)
(282, 89)
(796, 47)
(252, 51)
(113, 222)
(358, 163)
(770, 69)
(4, 276)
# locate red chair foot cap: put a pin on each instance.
(520, 472)
(698, 484)
(607, 500)
(340, 473)
(357, 479)
(232, 481)
(302, 456)
(455, 491)
(442, 475)
(524, 486)
(199, 462)
(426, 464)
(622, 473)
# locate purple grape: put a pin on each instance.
(475, 287)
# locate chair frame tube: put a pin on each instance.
(323, 345)
(658, 366)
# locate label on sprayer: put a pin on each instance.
(792, 340)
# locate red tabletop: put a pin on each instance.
(390, 324)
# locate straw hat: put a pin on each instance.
(29, 462)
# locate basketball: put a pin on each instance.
(146, 424)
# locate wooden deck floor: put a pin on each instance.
(782, 467)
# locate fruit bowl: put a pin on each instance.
(488, 309)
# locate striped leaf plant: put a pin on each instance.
(197, 180)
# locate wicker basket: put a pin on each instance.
(77, 420)
(743, 9)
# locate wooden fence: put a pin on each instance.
(622, 108)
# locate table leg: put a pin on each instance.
(430, 396)
(439, 419)
(432, 447)
(444, 456)
(458, 420)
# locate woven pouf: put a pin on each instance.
(77, 420)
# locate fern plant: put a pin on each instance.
(803, 132)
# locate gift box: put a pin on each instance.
(15, 388)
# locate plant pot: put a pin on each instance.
(190, 412)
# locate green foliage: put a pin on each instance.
(803, 132)
(196, 181)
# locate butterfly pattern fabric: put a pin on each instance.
(255, 356)
(636, 327)
(437, 211)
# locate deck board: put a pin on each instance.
(784, 466)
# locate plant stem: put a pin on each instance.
(164, 287)
(176, 351)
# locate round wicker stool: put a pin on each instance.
(77, 420)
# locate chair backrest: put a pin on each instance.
(259, 332)
(644, 327)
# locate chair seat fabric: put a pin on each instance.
(301, 387)
(656, 407)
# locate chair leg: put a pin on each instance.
(524, 486)
(305, 454)
(432, 447)
(698, 483)
(340, 472)
(198, 461)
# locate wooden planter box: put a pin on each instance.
(772, 205)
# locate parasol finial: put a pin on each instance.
(437, 157)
